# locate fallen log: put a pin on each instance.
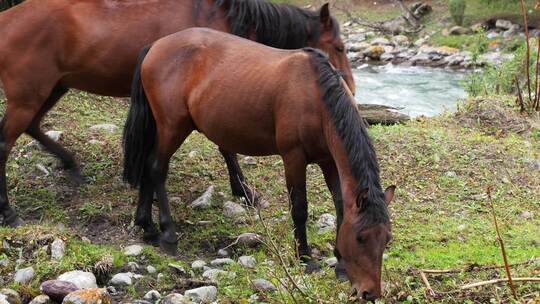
(381, 114)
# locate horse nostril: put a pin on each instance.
(366, 295)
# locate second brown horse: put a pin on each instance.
(256, 100)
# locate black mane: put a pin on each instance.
(278, 25)
(353, 133)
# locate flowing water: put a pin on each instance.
(417, 90)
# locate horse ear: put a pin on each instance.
(325, 18)
(362, 198)
(389, 194)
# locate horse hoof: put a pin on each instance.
(170, 248)
(152, 238)
(341, 274)
(15, 222)
(312, 266)
(76, 177)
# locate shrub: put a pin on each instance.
(457, 10)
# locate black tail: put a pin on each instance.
(139, 131)
(5, 4)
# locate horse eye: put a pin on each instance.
(340, 49)
(360, 239)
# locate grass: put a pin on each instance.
(440, 217)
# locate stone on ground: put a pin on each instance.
(54, 135)
(133, 250)
(152, 295)
(10, 296)
(331, 262)
(151, 269)
(57, 290)
(58, 249)
(81, 279)
(105, 127)
(205, 294)
(263, 285)
(24, 275)
(177, 268)
(221, 262)
(41, 299)
(247, 261)
(203, 202)
(198, 265)
(175, 298)
(122, 279)
(88, 296)
(248, 239)
(233, 210)
(326, 222)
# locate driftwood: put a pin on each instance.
(381, 114)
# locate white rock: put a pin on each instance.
(401, 40)
(380, 41)
(203, 201)
(461, 227)
(331, 262)
(175, 298)
(41, 299)
(247, 261)
(133, 250)
(105, 127)
(24, 275)
(221, 262)
(58, 249)
(150, 269)
(223, 253)
(179, 269)
(503, 24)
(43, 169)
(3, 299)
(205, 294)
(122, 279)
(4, 262)
(215, 275)
(233, 210)
(152, 295)
(54, 135)
(450, 174)
(81, 279)
(326, 222)
(96, 142)
(248, 160)
(198, 264)
(133, 266)
(420, 42)
(249, 239)
(264, 285)
(192, 154)
(526, 215)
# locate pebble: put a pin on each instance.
(58, 249)
(177, 268)
(24, 275)
(104, 127)
(152, 295)
(4, 262)
(133, 250)
(526, 215)
(3, 299)
(79, 278)
(88, 296)
(122, 279)
(263, 285)
(221, 262)
(203, 202)
(223, 253)
(133, 266)
(247, 261)
(54, 135)
(57, 290)
(11, 296)
(248, 160)
(151, 269)
(216, 274)
(198, 264)
(205, 294)
(331, 262)
(248, 239)
(233, 210)
(41, 299)
(326, 222)
(175, 298)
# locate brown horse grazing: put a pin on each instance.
(256, 100)
(49, 46)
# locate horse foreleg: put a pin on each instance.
(295, 175)
(331, 178)
(239, 186)
(68, 161)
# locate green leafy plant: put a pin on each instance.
(457, 10)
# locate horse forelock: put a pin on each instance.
(277, 25)
(353, 134)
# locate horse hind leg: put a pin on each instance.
(237, 180)
(69, 164)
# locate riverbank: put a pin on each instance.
(442, 166)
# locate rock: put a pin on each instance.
(4, 262)
(58, 249)
(152, 295)
(358, 37)
(192, 154)
(3, 298)
(374, 52)
(381, 41)
(358, 47)
(461, 227)
(526, 215)
(401, 40)
(150, 269)
(263, 285)
(105, 127)
(198, 265)
(122, 279)
(205, 294)
(385, 256)
(233, 210)
(79, 278)
(54, 135)
(355, 56)
(450, 174)
(453, 60)
(442, 50)
(10, 296)
(247, 261)
(331, 262)
(56, 289)
(175, 298)
(133, 267)
(420, 42)
(514, 29)
(460, 30)
(88, 296)
(203, 202)
(503, 24)
(43, 169)
(133, 250)
(248, 160)
(24, 275)
(177, 268)
(477, 27)
(492, 35)
(221, 262)
(248, 239)
(96, 142)
(215, 275)
(41, 299)
(223, 253)
(326, 222)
